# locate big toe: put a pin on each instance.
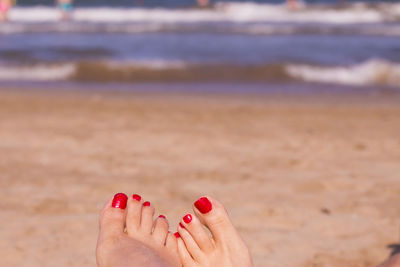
(112, 217)
(213, 214)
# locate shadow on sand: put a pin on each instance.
(395, 249)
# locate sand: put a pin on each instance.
(308, 181)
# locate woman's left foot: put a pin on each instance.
(129, 238)
(224, 249)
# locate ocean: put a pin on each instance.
(356, 44)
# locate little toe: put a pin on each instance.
(213, 214)
(112, 217)
(193, 225)
(146, 221)
(134, 213)
(160, 231)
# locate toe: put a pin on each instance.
(213, 214)
(112, 217)
(134, 213)
(192, 224)
(171, 243)
(186, 259)
(146, 222)
(160, 230)
(190, 244)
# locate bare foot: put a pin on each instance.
(127, 237)
(393, 261)
(224, 249)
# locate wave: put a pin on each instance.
(222, 12)
(37, 72)
(373, 72)
(234, 28)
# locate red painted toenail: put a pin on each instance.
(177, 235)
(187, 218)
(181, 225)
(146, 204)
(162, 216)
(119, 201)
(136, 197)
(203, 205)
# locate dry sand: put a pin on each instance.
(307, 181)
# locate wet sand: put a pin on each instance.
(308, 181)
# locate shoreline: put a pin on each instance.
(293, 88)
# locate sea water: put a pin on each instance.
(357, 44)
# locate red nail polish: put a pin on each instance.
(181, 225)
(177, 235)
(146, 204)
(187, 218)
(162, 216)
(136, 197)
(119, 201)
(203, 205)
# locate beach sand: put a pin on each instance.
(308, 181)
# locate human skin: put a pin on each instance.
(129, 238)
(224, 248)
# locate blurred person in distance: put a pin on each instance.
(66, 7)
(292, 4)
(5, 6)
(203, 3)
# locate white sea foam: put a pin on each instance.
(233, 12)
(36, 72)
(244, 18)
(278, 13)
(62, 72)
(373, 72)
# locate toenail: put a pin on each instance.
(162, 216)
(177, 235)
(203, 205)
(136, 197)
(146, 204)
(119, 201)
(181, 225)
(187, 218)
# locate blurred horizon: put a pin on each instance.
(180, 3)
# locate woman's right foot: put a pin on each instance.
(129, 238)
(224, 249)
